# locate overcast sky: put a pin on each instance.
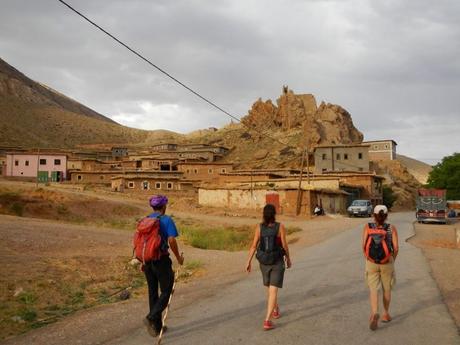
(393, 64)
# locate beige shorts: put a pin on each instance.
(380, 275)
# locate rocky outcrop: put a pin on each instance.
(326, 124)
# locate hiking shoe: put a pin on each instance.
(268, 325)
(386, 317)
(276, 313)
(374, 322)
(150, 327)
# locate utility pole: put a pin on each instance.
(299, 189)
(38, 168)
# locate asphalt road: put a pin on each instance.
(324, 301)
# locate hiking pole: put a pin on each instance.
(176, 278)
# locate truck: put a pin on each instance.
(431, 206)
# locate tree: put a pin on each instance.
(446, 175)
(388, 197)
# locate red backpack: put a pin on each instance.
(378, 246)
(147, 240)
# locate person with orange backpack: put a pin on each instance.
(154, 236)
(380, 247)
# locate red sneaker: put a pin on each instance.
(268, 325)
(276, 313)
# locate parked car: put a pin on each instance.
(360, 208)
(431, 206)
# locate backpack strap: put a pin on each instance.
(372, 225)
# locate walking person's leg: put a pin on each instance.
(152, 284)
(373, 278)
(272, 301)
(166, 282)
(388, 281)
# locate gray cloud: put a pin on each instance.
(394, 64)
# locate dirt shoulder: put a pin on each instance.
(438, 243)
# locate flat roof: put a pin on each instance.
(380, 141)
(340, 146)
(203, 163)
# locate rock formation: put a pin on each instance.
(326, 124)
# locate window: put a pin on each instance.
(42, 161)
(169, 185)
(345, 156)
(375, 147)
(360, 169)
(16, 163)
(188, 171)
(195, 171)
(79, 177)
(223, 170)
(324, 170)
(360, 155)
(73, 166)
(210, 171)
(385, 146)
(101, 177)
(27, 163)
(158, 185)
(337, 156)
(145, 185)
(130, 184)
(324, 156)
(57, 162)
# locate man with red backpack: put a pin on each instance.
(380, 247)
(155, 235)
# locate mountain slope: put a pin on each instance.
(418, 169)
(32, 115)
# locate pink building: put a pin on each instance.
(48, 167)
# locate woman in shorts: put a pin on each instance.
(380, 274)
(272, 274)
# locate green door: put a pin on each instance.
(54, 176)
(43, 176)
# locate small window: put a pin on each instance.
(210, 171)
(130, 184)
(324, 156)
(158, 185)
(57, 162)
(360, 169)
(223, 170)
(27, 163)
(42, 161)
(337, 156)
(345, 156)
(360, 155)
(324, 170)
(195, 171)
(73, 166)
(101, 177)
(386, 146)
(79, 177)
(16, 163)
(169, 185)
(188, 171)
(375, 147)
(145, 185)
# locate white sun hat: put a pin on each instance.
(379, 208)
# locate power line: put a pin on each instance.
(139, 55)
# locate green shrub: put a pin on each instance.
(388, 197)
(231, 239)
(28, 314)
(17, 208)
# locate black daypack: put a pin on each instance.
(268, 251)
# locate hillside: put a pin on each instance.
(32, 114)
(272, 135)
(418, 169)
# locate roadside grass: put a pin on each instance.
(229, 238)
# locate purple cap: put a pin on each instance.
(158, 200)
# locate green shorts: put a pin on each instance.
(273, 274)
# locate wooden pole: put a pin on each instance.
(308, 167)
(299, 189)
(38, 168)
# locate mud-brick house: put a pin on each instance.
(284, 198)
(151, 181)
(47, 166)
(119, 152)
(98, 177)
(330, 158)
(382, 149)
(204, 171)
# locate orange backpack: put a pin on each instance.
(378, 247)
(147, 240)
